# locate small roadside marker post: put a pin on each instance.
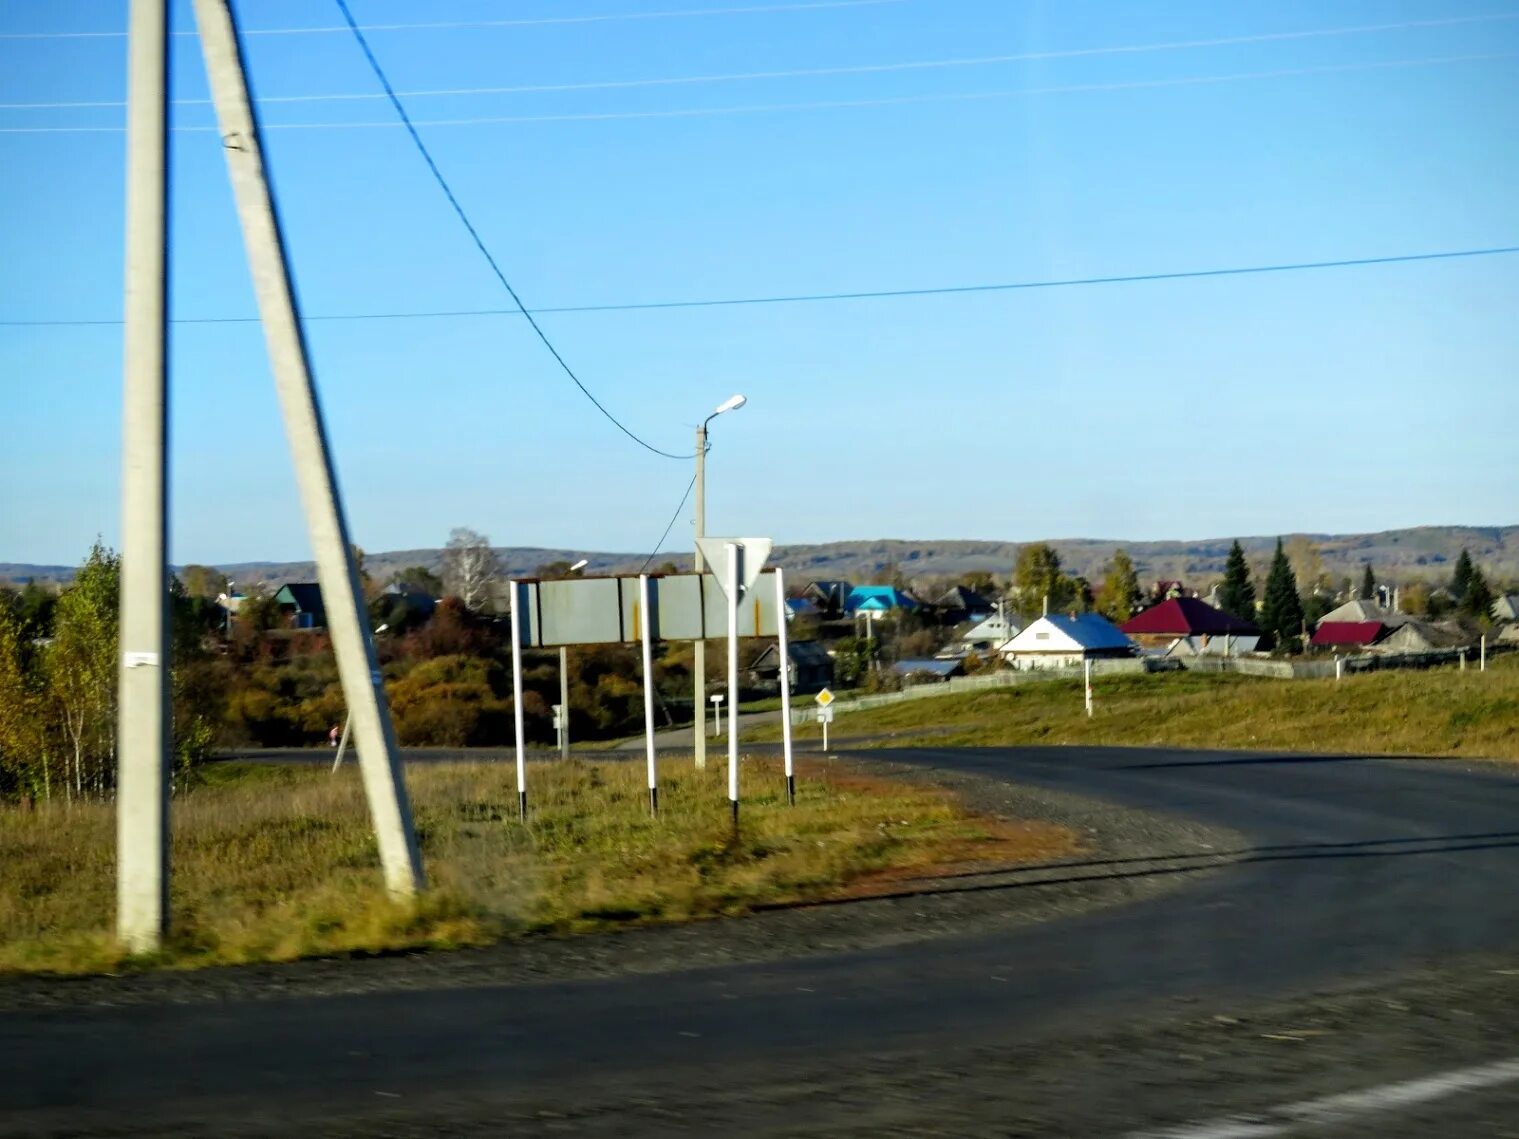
(717, 714)
(783, 646)
(825, 712)
(1484, 654)
(1087, 671)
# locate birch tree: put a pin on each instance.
(469, 567)
(81, 670)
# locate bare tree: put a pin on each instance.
(469, 567)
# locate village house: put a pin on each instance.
(811, 667)
(983, 636)
(1059, 639)
(300, 605)
(1188, 626)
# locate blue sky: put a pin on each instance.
(1350, 399)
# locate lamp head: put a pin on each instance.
(580, 565)
(732, 403)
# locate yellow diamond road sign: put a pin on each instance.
(824, 698)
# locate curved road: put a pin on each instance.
(1394, 874)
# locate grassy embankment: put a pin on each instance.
(1440, 712)
(273, 863)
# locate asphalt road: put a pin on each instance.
(1373, 902)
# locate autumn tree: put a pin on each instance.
(1307, 563)
(469, 567)
(978, 581)
(1037, 576)
(419, 579)
(203, 581)
(25, 765)
(1237, 596)
(1282, 610)
(1120, 588)
(81, 670)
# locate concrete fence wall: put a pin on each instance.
(803, 711)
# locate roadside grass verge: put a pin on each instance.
(1438, 712)
(273, 863)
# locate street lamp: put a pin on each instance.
(699, 664)
(564, 682)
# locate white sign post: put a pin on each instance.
(648, 690)
(1087, 671)
(735, 557)
(740, 561)
(783, 646)
(517, 619)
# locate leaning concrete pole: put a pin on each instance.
(143, 748)
(373, 735)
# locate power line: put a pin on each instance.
(806, 298)
(459, 25)
(669, 526)
(819, 72)
(474, 234)
(830, 104)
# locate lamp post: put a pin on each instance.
(564, 684)
(699, 664)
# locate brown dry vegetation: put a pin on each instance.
(1440, 712)
(274, 863)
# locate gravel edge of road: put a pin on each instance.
(1172, 851)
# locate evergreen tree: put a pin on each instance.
(1238, 594)
(1368, 583)
(1478, 598)
(1461, 579)
(1282, 610)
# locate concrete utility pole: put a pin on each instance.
(699, 649)
(142, 794)
(352, 642)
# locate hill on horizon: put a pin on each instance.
(1422, 552)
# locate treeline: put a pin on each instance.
(249, 682)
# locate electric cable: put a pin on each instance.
(808, 298)
(474, 234)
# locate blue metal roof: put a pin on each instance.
(936, 667)
(877, 597)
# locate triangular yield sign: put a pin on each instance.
(755, 552)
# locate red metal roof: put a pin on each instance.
(1188, 617)
(1348, 632)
